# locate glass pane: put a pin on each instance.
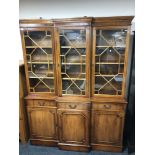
(39, 56)
(108, 85)
(109, 69)
(43, 85)
(73, 38)
(73, 87)
(38, 38)
(111, 38)
(73, 61)
(40, 70)
(109, 61)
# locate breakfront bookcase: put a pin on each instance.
(76, 76)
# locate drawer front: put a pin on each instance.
(29, 103)
(77, 106)
(107, 106)
(41, 103)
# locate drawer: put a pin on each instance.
(107, 106)
(41, 103)
(29, 103)
(77, 106)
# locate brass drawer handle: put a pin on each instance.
(41, 103)
(72, 106)
(107, 106)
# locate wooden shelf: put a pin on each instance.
(108, 75)
(73, 46)
(112, 46)
(74, 78)
(40, 77)
(36, 62)
(38, 46)
(74, 63)
(64, 55)
(109, 63)
(74, 74)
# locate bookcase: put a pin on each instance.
(76, 76)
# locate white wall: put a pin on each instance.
(75, 8)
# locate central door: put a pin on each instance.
(73, 126)
(73, 61)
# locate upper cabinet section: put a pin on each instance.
(110, 53)
(70, 57)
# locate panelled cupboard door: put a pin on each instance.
(107, 127)
(110, 52)
(73, 127)
(39, 57)
(43, 123)
(73, 60)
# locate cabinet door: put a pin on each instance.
(107, 127)
(40, 59)
(73, 127)
(110, 50)
(73, 61)
(42, 123)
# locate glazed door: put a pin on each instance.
(39, 58)
(43, 123)
(73, 61)
(73, 127)
(110, 49)
(107, 127)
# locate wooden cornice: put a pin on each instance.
(112, 21)
(35, 23)
(79, 21)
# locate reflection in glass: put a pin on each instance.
(108, 85)
(111, 37)
(38, 38)
(43, 85)
(73, 38)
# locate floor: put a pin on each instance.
(27, 149)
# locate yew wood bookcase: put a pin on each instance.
(76, 80)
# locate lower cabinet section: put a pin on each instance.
(107, 129)
(43, 125)
(76, 126)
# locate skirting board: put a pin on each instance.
(108, 148)
(74, 147)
